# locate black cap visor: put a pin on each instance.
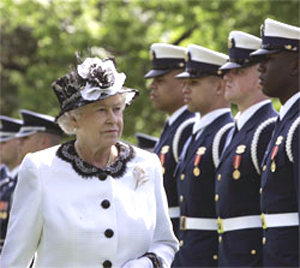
(156, 73)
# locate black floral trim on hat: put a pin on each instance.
(68, 153)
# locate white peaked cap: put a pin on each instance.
(205, 55)
(245, 40)
(168, 51)
(278, 29)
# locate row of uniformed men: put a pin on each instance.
(232, 184)
(17, 138)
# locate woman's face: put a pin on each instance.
(101, 123)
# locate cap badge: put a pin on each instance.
(288, 47)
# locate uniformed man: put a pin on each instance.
(280, 199)
(10, 158)
(238, 174)
(37, 132)
(204, 93)
(166, 95)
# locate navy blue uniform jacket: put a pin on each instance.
(241, 197)
(200, 247)
(280, 194)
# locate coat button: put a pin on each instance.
(264, 167)
(182, 177)
(216, 197)
(181, 243)
(109, 233)
(107, 264)
(219, 177)
(102, 176)
(220, 239)
(264, 240)
(105, 204)
(253, 252)
(260, 190)
(215, 257)
(181, 198)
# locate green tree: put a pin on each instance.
(39, 39)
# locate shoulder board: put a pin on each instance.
(217, 141)
(289, 139)
(255, 140)
(177, 136)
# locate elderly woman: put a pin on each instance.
(94, 201)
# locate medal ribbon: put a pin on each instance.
(197, 159)
(237, 161)
(162, 158)
(274, 152)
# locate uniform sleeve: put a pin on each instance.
(164, 243)
(25, 223)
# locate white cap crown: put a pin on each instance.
(244, 40)
(205, 55)
(168, 51)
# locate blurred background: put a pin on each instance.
(39, 39)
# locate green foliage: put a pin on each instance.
(39, 39)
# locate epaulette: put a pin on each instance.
(289, 139)
(177, 136)
(256, 136)
(217, 141)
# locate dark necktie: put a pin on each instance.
(191, 145)
(166, 127)
(235, 131)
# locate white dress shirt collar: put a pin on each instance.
(207, 119)
(284, 109)
(242, 118)
(171, 119)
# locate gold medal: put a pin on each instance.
(196, 171)
(273, 166)
(236, 174)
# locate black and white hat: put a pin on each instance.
(9, 128)
(93, 80)
(240, 46)
(165, 58)
(35, 122)
(277, 36)
(201, 61)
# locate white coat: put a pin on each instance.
(60, 215)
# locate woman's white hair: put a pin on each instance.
(65, 121)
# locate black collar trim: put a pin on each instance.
(68, 153)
